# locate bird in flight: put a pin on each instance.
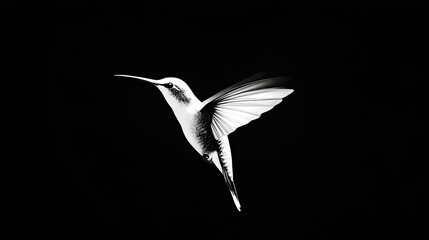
(207, 124)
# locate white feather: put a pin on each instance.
(244, 102)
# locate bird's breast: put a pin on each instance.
(204, 134)
(189, 127)
(197, 130)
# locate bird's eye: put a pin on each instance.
(168, 85)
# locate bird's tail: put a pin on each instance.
(231, 187)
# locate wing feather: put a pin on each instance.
(244, 102)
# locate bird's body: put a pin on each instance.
(206, 125)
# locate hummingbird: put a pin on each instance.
(206, 125)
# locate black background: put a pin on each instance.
(340, 158)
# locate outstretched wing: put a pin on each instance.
(243, 102)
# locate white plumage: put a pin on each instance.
(206, 125)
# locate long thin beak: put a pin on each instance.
(140, 78)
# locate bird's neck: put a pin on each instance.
(185, 112)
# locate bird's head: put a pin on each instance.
(175, 91)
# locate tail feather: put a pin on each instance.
(223, 162)
(231, 187)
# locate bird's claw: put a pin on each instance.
(207, 158)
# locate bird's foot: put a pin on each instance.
(207, 158)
